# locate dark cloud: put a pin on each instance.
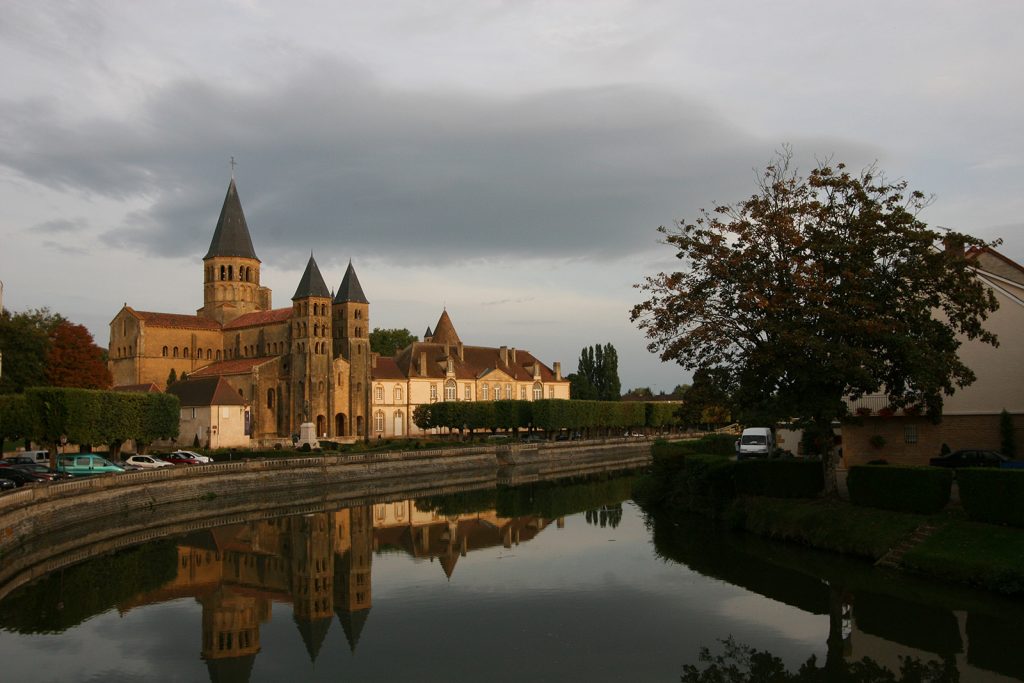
(60, 225)
(331, 160)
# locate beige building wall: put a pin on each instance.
(221, 426)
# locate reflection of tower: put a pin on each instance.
(231, 634)
(312, 573)
(352, 594)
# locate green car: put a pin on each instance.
(84, 464)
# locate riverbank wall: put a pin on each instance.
(45, 527)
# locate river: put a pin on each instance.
(565, 581)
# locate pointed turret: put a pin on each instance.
(444, 331)
(313, 633)
(231, 237)
(312, 282)
(428, 334)
(352, 624)
(350, 289)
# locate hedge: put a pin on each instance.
(712, 444)
(923, 490)
(992, 495)
(547, 414)
(780, 478)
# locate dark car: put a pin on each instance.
(41, 470)
(7, 485)
(969, 457)
(180, 459)
(20, 477)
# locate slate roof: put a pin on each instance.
(428, 334)
(312, 282)
(350, 289)
(231, 236)
(205, 391)
(444, 330)
(476, 361)
(138, 388)
(176, 320)
(257, 318)
(313, 633)
(387, 368)
(235, 366)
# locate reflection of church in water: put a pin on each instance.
(320, 563)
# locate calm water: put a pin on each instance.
(541, 583)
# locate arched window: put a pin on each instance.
(320, 387)
(508, 392)
(175, 352)
(398, 394)
(358, 315)
(497, 392)
(316, 330)
(485, 392)
(538, 392)
(130, 350)
(378, 421)
(339, 379)
(223, 272)
(209, 354)
(270, 398)
(378, 394)
(184, 352)
(165, 352)
(449, 390)
(231, 272)
(218, 354)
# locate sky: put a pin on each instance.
(508, 160)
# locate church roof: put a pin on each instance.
(313, 632)
(231, 237)
(350, 289)
(352, 623)
(312, 282)
(444, 330)
(176, 320)
(257, 318)
(235, 366)
(428, 334)
(205, 391)
(230, 669)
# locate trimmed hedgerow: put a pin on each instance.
(992, 495)
(924, 490)
(780, 478)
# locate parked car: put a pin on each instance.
(146, 462)
(85, 464)
(19, 477)
(755, 442)
(7, 485)
(28, 457)
(180, 458)
(970, 457)
(203, 459)
(41, 470)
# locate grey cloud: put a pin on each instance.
(333, 161)
(60, 225)
(66, 248)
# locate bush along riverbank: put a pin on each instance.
(897, 513)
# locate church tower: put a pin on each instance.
(311, 349)
(231, 271)
(351, 313)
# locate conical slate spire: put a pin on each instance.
(444, 331)
(231, 237)
(312, 282)
(428, 334)
(313, 634)
(352, 624)
(350, 289)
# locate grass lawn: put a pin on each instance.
(981, 554)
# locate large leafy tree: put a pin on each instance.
(25, 344)
(74, 360)
(816, 289)
(389, 341)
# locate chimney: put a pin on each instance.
(373, 360)
(558, 370)
(503, 354)
(423, 363)
(513, 355)
(462, 356)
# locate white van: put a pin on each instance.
(755, 442)
(30, 458)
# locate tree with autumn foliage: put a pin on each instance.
(819, 289)
(74, 360)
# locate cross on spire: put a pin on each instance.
(233, 164)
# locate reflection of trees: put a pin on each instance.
(605, 516)
(738, 663)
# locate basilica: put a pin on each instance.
(310, 361)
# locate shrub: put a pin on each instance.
(780, 478)
(992, 496)
(1007, 437)
(924, 490)
(713, 444)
